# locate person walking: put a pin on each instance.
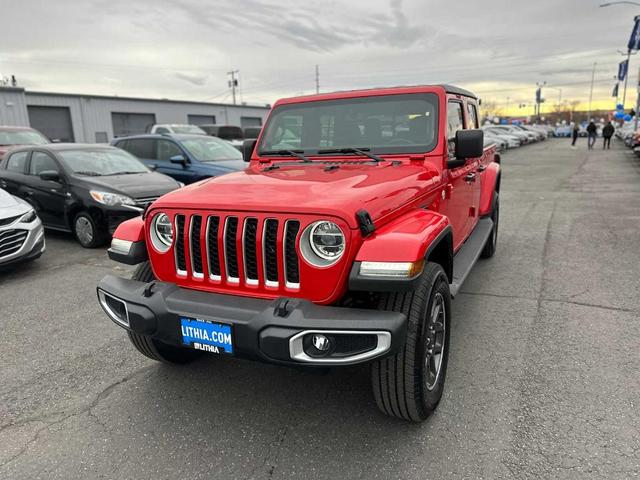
(574, 133)
(592, 133)
(607, 133)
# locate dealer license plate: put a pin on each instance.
(208, 336)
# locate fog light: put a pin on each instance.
(318, 345)
(320, 342)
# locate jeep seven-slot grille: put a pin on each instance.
(292, 273)
(194, 245)
(181, 262)
(236, 249)
(270, 242)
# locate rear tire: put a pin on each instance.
(154, 349)
(407, 385)
(492, 242)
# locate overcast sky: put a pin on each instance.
(182, 49)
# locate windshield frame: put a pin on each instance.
(431, 97)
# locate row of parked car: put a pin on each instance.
(630, 136)
(513, 136)
(89, 189)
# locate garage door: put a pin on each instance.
(54, 122)
(201, 119)
(131, 123)
(250, 122)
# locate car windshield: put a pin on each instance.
(188, 129)
(22, 137)
(101, 162)
(211, 149)
(383, 124)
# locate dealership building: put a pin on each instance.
(96, 118)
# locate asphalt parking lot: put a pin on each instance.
(543, 379)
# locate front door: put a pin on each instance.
(47, 197)
(459, 189)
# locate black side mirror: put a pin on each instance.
(469, 144)
(247, 149)
(50, 175)
(179, 159)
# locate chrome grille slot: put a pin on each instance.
(213, 255)
(195, 226)
(250, 256)
(291, 261)
(11, 241)
(270, 252)
(231, 249)
(181, 260)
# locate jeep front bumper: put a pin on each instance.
(276, 331)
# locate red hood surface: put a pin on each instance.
(310, 189)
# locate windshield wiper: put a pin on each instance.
(88, 173)
(290, 153)
(124, 172)
(346, 150)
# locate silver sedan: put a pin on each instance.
(21, 232)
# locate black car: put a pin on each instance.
(85, 189)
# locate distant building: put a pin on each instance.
(98, 119)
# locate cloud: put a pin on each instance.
(198, 80)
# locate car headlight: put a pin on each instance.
(161, 232)
(28, 217)
(322, 243)
(111, 199)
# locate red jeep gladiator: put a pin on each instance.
(356, 221)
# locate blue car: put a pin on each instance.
(187, 158)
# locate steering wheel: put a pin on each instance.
(400, 141)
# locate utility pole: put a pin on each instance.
(593, 76)
(233, 83)
(317, 79)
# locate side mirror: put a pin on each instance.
(469, 144)
(152, 167)
(50, 175)
(179, 159)
(247, 149)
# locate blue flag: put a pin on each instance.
(615, 91)
(634, 40)
(622, 69)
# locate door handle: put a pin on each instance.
(471, 177)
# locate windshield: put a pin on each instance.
(101, 162)
(211, 149)
(188, 129)
(383, 124)
(22, 137)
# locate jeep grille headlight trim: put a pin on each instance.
(161, 232)
(322, 243)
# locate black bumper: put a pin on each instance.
(262, 329)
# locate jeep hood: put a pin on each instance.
(309, 189)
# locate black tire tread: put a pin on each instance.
(395, 387)
(490, 247)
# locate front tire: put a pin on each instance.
(87, 231)
(154, 349)
(409, 384)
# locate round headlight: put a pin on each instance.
(322, 243)
(162, 232)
